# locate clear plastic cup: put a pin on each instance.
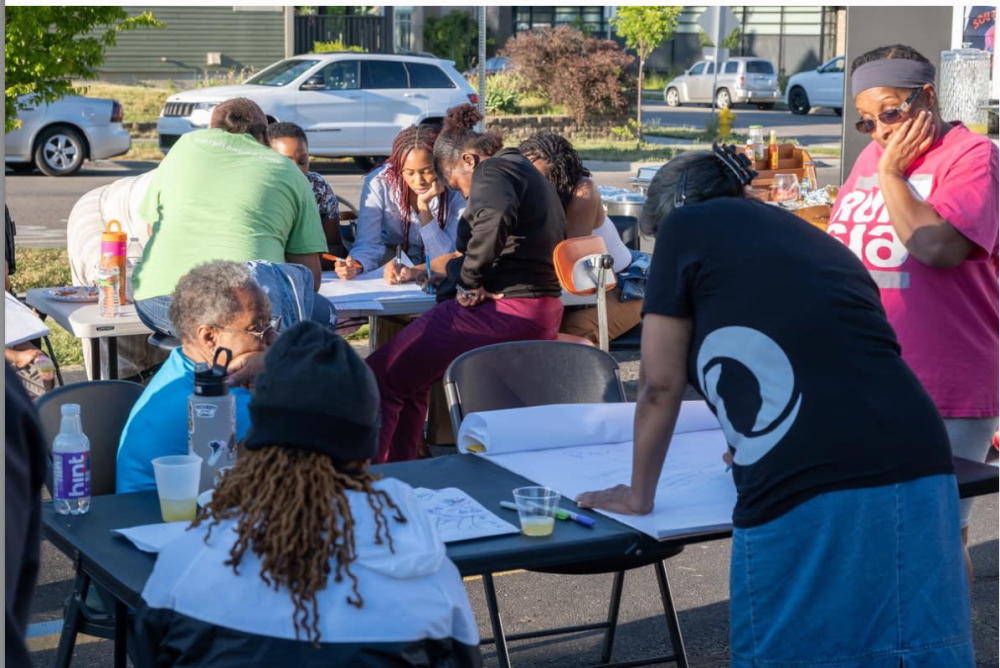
(536, 508)
(177, 479)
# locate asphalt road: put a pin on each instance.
(820, 126)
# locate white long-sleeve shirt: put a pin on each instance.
(380, 225)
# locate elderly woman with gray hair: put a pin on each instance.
(215, 305)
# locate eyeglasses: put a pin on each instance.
(866, 126)
(259, 331)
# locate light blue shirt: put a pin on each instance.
(158, 423)
(380, 224)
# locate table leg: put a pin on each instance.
(670, 615)
(109, 359)
(498, 637)
(95, 359)
(121, 635)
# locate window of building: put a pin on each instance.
(402, 28)
(588, 19)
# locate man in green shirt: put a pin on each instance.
(221, 194)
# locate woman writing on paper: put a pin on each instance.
(556, 158)
(303, 553)
(920, 210)
(403, 204)
(847, 505)
(503, 287)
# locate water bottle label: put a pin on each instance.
(71, 471)
(204, 411)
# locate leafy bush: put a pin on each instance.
(591, 73)
(454, 36)
(502, 93)
(337, 45)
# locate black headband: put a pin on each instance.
(893, 73)
(737, 163)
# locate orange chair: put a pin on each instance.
(582, 264)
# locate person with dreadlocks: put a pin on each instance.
(555, 157)
(304, 557)
(846, 544)
(500, 286)
(404, 205)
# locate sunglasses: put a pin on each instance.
(866, 126)
(260, 331)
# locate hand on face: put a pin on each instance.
(910, 141)
(425, 198)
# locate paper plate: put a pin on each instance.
(73, 293)
(204, 498)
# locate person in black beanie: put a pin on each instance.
(300, 525)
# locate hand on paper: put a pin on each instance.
(910, 141)
(618, 499)
(475, 297)
(395, 274)
(348, 268)
(244, 369)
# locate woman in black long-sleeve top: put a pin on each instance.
(501, 286)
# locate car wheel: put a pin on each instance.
(766, 106)
(672, 97)
(798, 101)
(838, 110)
(369, 162)
(59, 151)
(722, 99)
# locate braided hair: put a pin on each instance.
(458, 135)
(885, 52)
(565, 167)
(415, 137)
(293, 513)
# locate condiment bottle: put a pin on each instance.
(773, 151)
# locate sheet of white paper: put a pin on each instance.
(694, 494)
(20, 322)
(366, 287)
(154, 537)
(457, 516)
(565, 425)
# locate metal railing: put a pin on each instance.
(368, 32)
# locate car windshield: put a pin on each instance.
(759, 67)
(283, 73)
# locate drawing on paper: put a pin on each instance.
(457, 516)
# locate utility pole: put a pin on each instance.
(482, 62)
(717, 38)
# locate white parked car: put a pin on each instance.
(57, 137)
(349, 104)
(739, 81)
(821, 87)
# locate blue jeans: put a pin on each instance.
(858, 578)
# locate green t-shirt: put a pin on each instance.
(221, 196)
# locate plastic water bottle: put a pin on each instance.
(133, 256)
(212, 419)
(71, 464)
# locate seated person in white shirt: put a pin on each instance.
(404, 205)
(304, 557)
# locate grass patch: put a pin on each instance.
(360, 334)
(43, 268)
(141, 103)
(142, 149)
(623, 151)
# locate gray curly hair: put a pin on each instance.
(207, 295)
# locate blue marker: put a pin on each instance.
(560, 514)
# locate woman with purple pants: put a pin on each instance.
(499, 286)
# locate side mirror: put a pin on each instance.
(313, 83)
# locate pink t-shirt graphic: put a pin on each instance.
(945, 319)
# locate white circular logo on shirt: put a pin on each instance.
(749, 381)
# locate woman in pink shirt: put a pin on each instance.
(920, 210)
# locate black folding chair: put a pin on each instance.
(533, 373)
(104, 409)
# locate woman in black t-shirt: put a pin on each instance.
(500, 284)
(846, 544)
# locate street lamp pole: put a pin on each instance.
(482, 61)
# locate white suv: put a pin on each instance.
(349, 104)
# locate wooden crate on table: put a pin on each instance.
(791, 160)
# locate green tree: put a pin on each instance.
(644, 29)
(47, 47)
(732, 41)
(454, 36)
